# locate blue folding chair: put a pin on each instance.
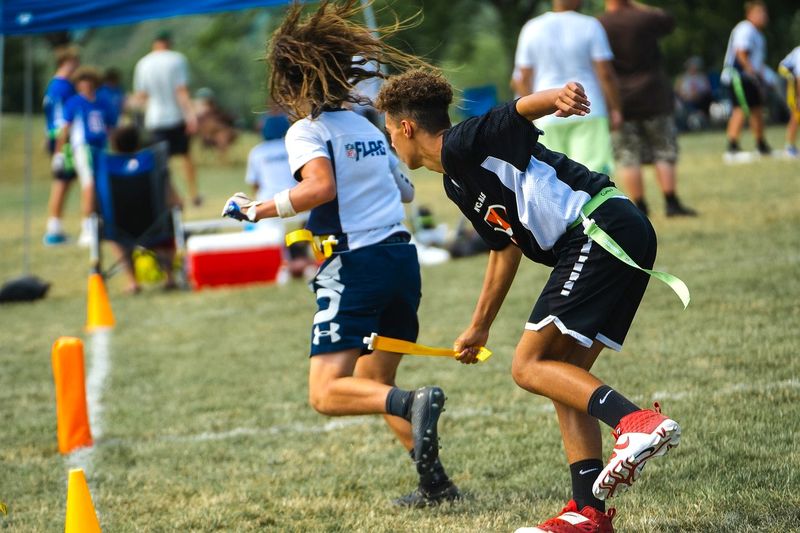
(131, 196)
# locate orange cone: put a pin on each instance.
(81, 517)
(71, 413)
(98, 312)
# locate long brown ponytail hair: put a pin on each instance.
(311, 58)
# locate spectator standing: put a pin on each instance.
(86, 119)
(648, 134)
(693, 90)
(161, 79)
(744, 73)
(790, 69)
(113, 94)
(562, 46)
(59, 90)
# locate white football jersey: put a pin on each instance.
(367, 207)
(745, 36)
(792, 62)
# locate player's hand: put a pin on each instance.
(57, 163)
(571, 100)
(469, 343)
(240, 207)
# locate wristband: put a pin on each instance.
(283, 204)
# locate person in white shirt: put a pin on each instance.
(561, 46)
(160, 82)
(743, 72)
(370, 283)
(790, 69)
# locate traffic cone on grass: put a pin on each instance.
(98, 308)
(81, 517)
(71, 412)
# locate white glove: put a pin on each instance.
(240, 207)
(57, 163)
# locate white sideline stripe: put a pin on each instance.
(452, 413)
(99, 368)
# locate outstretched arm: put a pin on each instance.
(500, 272)
(564, 102)
(318, 187)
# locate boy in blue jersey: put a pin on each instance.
(113, 94)
(371, 280)
(85, 129)
(58, 91)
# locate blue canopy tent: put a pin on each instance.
(27, 17)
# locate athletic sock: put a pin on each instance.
(642, 205)
(671, 199)
(733, 145)
(398, 402)
(609, 406)
(54, 225)
(583, 474)
(437, 477)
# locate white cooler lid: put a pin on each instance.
(242, 240)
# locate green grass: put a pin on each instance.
(207, 426)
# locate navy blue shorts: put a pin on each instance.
(372, 289)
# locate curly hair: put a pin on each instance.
(423, 96)
(311, 58)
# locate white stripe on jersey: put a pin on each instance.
(545, 204)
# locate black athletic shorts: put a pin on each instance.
(753, 92)
(592, 295)
(176, 137)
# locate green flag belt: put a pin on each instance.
(738, 89)
(594, 232)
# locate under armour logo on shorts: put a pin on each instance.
(333, 333)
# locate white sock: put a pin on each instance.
(54, 225)
(86, 225)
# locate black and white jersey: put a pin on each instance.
(513, 189)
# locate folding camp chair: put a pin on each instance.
(131, 200)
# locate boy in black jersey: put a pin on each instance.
(524, 199)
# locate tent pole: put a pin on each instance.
(26, 233)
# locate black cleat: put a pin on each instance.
(425, 411)
(763, 148)
(679, 210)
(422, 498)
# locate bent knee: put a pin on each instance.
(524, 369)
(319, 401)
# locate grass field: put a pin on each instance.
(206, 426)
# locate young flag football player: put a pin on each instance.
(371, 281)
(86, 123)
(524, 199)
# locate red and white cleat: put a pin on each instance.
(641, 435)
(569, 520)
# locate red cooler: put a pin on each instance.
(234, 258)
